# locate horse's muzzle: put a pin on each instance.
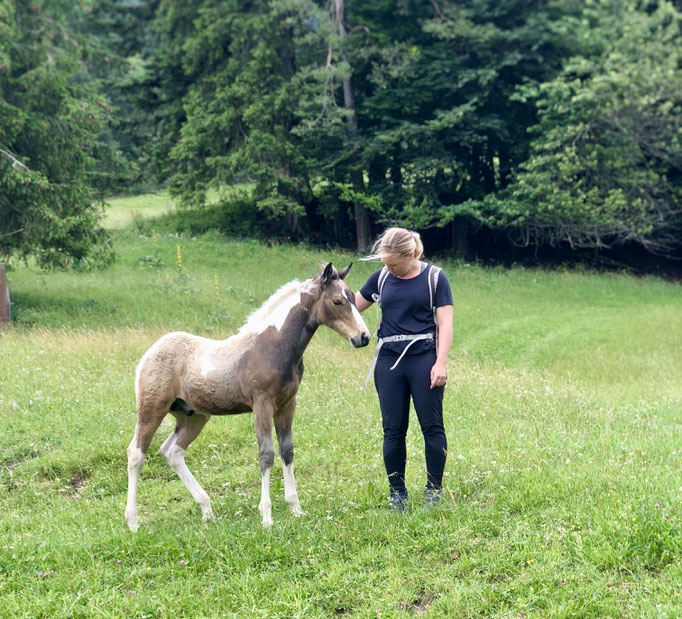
(360, 340)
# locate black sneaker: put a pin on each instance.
(398, 500)
(432, 497)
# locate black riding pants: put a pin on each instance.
(410, 379)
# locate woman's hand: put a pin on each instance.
(439, 375)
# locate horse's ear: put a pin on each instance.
(328, 273)
(344, 272)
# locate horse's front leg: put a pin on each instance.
(262, 417)
(283, 422)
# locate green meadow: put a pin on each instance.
(563, 488)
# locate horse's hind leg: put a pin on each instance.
(148, 421)
(283, 423)
(174, 448)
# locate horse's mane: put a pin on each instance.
(275, 309)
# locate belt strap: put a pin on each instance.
(396, 338)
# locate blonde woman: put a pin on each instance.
(415, 336)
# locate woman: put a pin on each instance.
(415, 336)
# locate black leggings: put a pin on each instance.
(410, 378)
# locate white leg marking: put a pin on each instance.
(176, 458)
(290, 494)
(135, 461)
(265, 506)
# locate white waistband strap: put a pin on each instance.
(396, 338)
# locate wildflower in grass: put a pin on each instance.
(45, 574)
(154, 238)
(181, 562)
(215, 285)
(179, 260)
(657, 506)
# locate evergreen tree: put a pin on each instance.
(50, 151)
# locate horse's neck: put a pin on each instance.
(296, 333)
(286, 324)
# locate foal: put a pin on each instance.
(259, 369)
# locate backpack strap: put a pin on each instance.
(434, 272)
(376, 297)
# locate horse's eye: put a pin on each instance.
(337, 302)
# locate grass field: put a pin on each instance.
(563, 486)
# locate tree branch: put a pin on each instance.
(11, 233)
(15, 162)
(438, 11)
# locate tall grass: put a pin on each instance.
(562, 488)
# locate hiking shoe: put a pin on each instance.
(432, 497)
(398, 500)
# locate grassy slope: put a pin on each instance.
(562, 417)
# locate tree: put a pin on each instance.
(50, 120)
(118, 33)
(433, 120)
(238, 62)
(606, 161)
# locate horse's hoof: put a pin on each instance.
(297, 511)
(267, 523)
(133, 524)
(208, 515)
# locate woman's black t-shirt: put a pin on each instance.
(406, 308)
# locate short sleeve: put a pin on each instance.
(371, 286)
(443, 291)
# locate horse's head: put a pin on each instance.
(336, 306)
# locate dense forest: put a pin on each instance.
(497, 128)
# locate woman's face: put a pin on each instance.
(399, 265)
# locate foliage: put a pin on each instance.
(263, 91)
(553, 123)
(239, 107)
(50, 149)
(606, 161)
(436, 102)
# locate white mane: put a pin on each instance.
(276, 309)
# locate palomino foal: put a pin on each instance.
(259, 369)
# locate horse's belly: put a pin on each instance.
(215, 397)
(210, 382)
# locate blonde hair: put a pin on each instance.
(398, 242)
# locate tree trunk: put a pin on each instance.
(362, 228)
(460, 237)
